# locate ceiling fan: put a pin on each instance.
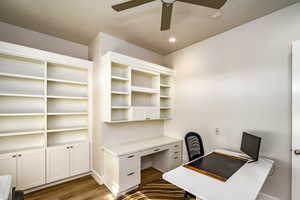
(167, 7)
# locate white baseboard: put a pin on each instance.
(97, 177)
(263, 196)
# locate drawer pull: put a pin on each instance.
(156, 149)
(176, 152)
(130, 156)
(176, 157)
(14, 156)
(176, 145)
(20, 155)
(130, 174)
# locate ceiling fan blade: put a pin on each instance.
(217, 4)
(166, 16)
(130, 4)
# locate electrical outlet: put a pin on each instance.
(217, 131)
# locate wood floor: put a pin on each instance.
(85, 188)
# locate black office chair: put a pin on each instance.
(195, 150)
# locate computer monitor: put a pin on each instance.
(250, 145)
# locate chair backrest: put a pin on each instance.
(194, 145)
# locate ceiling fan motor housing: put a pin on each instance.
(168, 1)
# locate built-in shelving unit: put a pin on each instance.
(137, 90)
(42, 103)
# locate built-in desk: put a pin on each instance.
(122, 162)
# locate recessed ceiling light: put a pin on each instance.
(216, 15)
(172, 39)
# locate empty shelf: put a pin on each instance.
(164, 85)
(21, 95)
(15, 133)
(21, 76)
(119, 78)
(119, 92)
(68, 113)
(65, 97)
(20, 114)
(67, 129)
(67, 81)
(144, 90)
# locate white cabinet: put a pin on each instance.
(68, 160)
(27, 168)
(30, 169)
(58, 163)
(79, 159)
(8, 165)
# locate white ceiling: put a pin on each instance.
(80, 20)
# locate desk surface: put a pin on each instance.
(139, 145)
(245, 184)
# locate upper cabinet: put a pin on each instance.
(134, 90)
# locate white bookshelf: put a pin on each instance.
(136, 90)
(42, 102)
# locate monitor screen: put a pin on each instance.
(251, 145)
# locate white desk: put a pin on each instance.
(245, 184)
(122, 163)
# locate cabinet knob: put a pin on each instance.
(68, 147)
(20, 155)
(130, 156)
(14, 156)
(176, 157)
(71, 147)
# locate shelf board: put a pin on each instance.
(126, 120)
(21, 149)
(164, 97)
(165, 85)
(120, 92)
(67, 81)
(67, 143)
(165, 108)
(144, 90)
(65, 97)
(119, 78)
(16, 133)
(20, 95)
(119, 107)
(67, 129)
(20, 114)
(68, 113)
(21, 76)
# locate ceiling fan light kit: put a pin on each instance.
(167, 8)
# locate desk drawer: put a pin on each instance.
(129, 179)
(129, 163)
(176, 147)
(154, 150)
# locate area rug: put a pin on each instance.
(156, 190)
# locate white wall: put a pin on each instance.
(240, 81)
(110, 134)
(25, 37)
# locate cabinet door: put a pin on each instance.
(79, 158)
(8, 166)
(152, 113)
(30, 169)
(138, 113)
(58, 163)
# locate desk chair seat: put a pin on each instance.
(194, 146)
